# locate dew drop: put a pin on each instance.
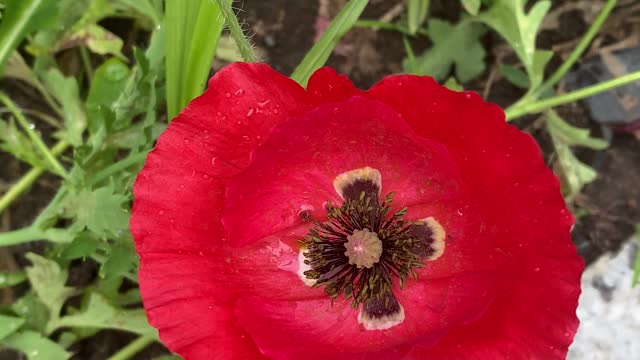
(467, 95)
(276, 111)
(245, 137)
(187, 141)
(335, 110)
(213, 161)
(264, 103)
(536, 269)
(239, 92)
(181, 186)
(228, 95)
(205, 176)
(567, 334)
(201, 253)
(250, 112)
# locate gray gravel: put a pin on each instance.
(609, 310)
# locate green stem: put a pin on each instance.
(115, 168)
(378, 24)
(28, 179)
(86, 63)
(33, 233)
(577, 52)
(246, 50)
(518, 110)
(35, 138)
(132, 348)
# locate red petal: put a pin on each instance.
(534, 316)
(312, 150)
(179, 197)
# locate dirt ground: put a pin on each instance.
(283, 30)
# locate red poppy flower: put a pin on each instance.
(403, 222)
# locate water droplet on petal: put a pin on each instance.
(250, 112)
(275, 111)
(246, 137)
(536, 269)
(239, 92)
(227, 95)
(264, 103)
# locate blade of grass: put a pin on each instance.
(20, 17)
(416, 12)
(193, 29)
(244, 45)
(320, 52)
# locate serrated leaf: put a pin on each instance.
(100, 210)
(508, 17)
(472, 6)
(30, 308)
(99, 313)
(82, 246)
(121, 260)
(19, 145)
(36, 346)
(9, 325)
(574, 173)
(416, 13)
(453, 45)
(65, 90)
(572, 135)
(48, 282)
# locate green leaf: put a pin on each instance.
(573, 173)
(572, 135)
(19, 19)
(98, 39)
(99, 313)
(453, 45)
(192, 32)
(82, 246)
(19, 145)
(9, 325)
(30, 308)
(508, 17)
(65, 90)
(9, 279)
(472, 6)
(121, 260)
(452, 84)
(48, 282)
(144, 7)
(100, 210)
(417, 13)
(515, 76)
(320, 52)
(108, 84)
(36, 346)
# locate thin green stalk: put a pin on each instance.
(132, 348)
(28, 179)
(35, 138)
(579, 49)
(115, 168)
(410, 55)
(33, 233)
(541, 105)
(86, 62)
(378, 24)
(244, 45)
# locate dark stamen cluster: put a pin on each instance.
(325, 250)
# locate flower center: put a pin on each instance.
(363, 248)
(380, 247)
